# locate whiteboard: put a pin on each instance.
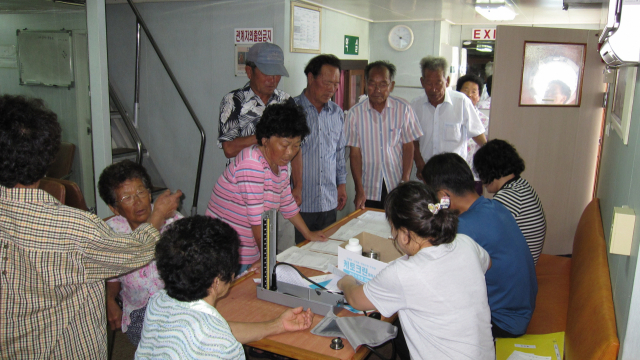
(45, 57)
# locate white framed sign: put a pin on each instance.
(244, 38)
(306, 28)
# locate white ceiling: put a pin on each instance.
(458, 12)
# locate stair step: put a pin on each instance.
(124, 152)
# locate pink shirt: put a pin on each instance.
(246, 189)
(380, 137)
(138, 285)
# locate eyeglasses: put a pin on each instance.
(381, 86)
(128, 199)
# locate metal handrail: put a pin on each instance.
(127, 122)
(184, 100)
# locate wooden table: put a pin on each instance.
(241, 304)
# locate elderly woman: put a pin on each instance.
(499, 167)
(124, 186)
(197, 258)
(257, 180)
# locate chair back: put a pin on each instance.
(74, 197)
(56, 189)
(61, 167)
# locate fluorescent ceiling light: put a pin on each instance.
(484, 48)
(496, 13)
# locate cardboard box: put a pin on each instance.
(363, 268)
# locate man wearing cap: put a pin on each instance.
(324, 175)
(241, 109)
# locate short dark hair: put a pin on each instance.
(449, 171)
(407, 206)
(193, 252)
(380, 64)
(286, 120)
(315, 65)
(495, 159)
(489, 82)
(434, 63)
(250, 64)
(564, 88)
(473, 79)
(115, 174)
(29, 140)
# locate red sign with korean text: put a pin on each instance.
(253, 35)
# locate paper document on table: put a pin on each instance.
(356, 226)
(373, 215)
(518, 355)
(543, 346)
(309, 259)
(289, 275)
(328, 247)
(340, 274)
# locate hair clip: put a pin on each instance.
(434, 208)
(445, 202)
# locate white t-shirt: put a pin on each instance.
(441, 298)
(448, 126)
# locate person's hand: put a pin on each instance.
(317, 236)
(346, 280)
(164, 207)
(296, 319)
(256, 266)
(114, 314)
(360, 200)
(419, 172)
(167, 203)
(296, 192)
(342, 196)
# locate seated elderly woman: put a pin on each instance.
(499, 167)
(257, 180)
(197, 258)
(124, 186)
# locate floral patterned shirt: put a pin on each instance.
(140, 284)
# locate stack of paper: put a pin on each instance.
(373, 222)
(310, 259)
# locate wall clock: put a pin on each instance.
(401, 37)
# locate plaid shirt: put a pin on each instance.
(53, 262)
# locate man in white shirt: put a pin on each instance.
(448, 118)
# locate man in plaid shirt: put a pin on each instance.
(53, 258)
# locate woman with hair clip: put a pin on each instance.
(438, 288)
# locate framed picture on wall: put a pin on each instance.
(306, 28)
(552, 74)
(620, 116)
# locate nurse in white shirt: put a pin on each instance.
(438, 288)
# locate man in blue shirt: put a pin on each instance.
(319, 186)
(511, 281)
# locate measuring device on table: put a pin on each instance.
(318, 300)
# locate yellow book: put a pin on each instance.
(547, 345)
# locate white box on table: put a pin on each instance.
(363, 268)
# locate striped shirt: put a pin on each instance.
(380, 137)
(54, 260)
(521, 199)
(246, 189)
(323, 156)
(185, 330)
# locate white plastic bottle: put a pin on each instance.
(354, 246)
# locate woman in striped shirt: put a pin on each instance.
(196, 258)
(499, 167)
(257, 180)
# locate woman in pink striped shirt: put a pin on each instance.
(257, 180)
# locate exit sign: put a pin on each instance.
(483, 34)
(351, 45)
